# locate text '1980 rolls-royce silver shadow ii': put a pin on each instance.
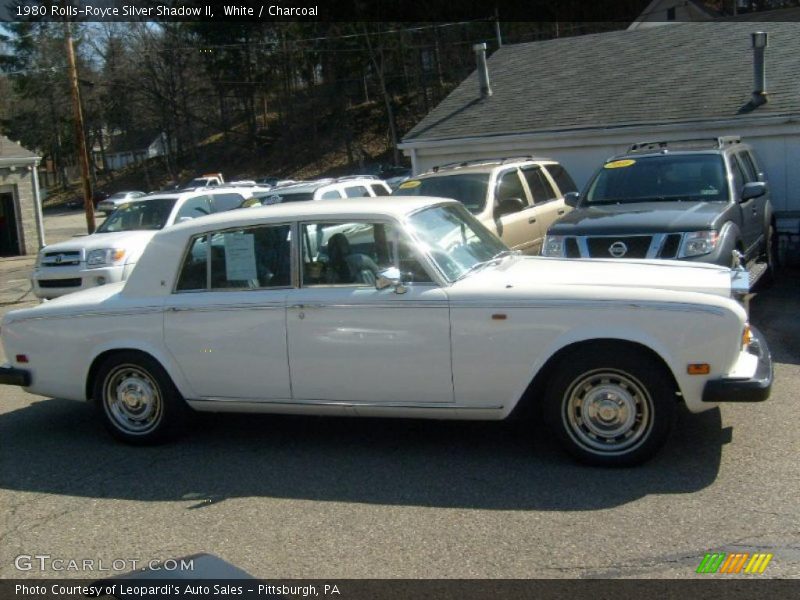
(397, 307)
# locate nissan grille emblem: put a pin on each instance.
(618, 249)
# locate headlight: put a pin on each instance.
(104, 256)
(696, 243)
(553, 245)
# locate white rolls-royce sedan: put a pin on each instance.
(396, 307)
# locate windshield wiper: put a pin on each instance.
(479, 265)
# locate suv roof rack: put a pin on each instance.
(349, 177)
(718, 142)
(483, 161)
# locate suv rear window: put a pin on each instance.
(691, 177)
(468, 188)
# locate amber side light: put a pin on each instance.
(698, 369)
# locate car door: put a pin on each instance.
(520, 229)
(752, 173)
(751, 226)
(350, 342)
(548, 205)
(225, 323)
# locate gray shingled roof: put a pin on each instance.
(9, 149)
(668, 74)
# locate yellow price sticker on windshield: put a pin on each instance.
(410, 184)
(618, 164)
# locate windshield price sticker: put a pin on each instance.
(619, 164)
(410, 184)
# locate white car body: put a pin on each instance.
(436, 350)
(62, 268)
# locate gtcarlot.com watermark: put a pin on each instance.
(46, 562)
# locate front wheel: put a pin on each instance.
(611, 406)
(136, 399)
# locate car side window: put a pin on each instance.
(540, 187)
(249, 258)
(223, 202)
(509, 185)
(563, 180)
(355, 253)
(356, 191)
(331, 195)
(750, 171)
(738, 175)
(380, 189)
(198, 206)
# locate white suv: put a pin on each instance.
(361, 186)
(110, 253)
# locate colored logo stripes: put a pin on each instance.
(740, 562)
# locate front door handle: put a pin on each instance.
(561, 211)
(532, 220)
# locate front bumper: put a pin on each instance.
(52, 282)
(12, 376)
(745, 389)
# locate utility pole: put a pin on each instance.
(83, 157)
(497, 33)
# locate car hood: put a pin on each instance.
(598, 279)
(640, 217)
(130, 240)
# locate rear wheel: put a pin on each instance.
(611, 406)
(136, 399)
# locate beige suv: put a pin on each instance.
(516, 198)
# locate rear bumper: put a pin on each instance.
(745, 389)
(12, 376)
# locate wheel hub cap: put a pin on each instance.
(132, 400)
(607, 412)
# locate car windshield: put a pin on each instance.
(687, 177)
(455, 240)
(135, 216)
(468, 188)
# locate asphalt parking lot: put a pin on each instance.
(286, 497)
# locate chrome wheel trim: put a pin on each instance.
(132, 400)
(607, 412)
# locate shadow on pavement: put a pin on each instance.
(56, 447)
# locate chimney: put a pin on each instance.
(759, 39)
(483, 70)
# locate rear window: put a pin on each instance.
(468, 188)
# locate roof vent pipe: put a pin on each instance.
(483, 70)
(759, 75)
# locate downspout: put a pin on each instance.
(413, 160)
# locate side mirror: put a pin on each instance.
(571, 199)
(754, 189)
(509, 206)
(184, 219)
(390, 277)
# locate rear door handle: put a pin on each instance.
(561, 211)
(532, 220)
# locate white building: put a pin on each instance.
(580, 100)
